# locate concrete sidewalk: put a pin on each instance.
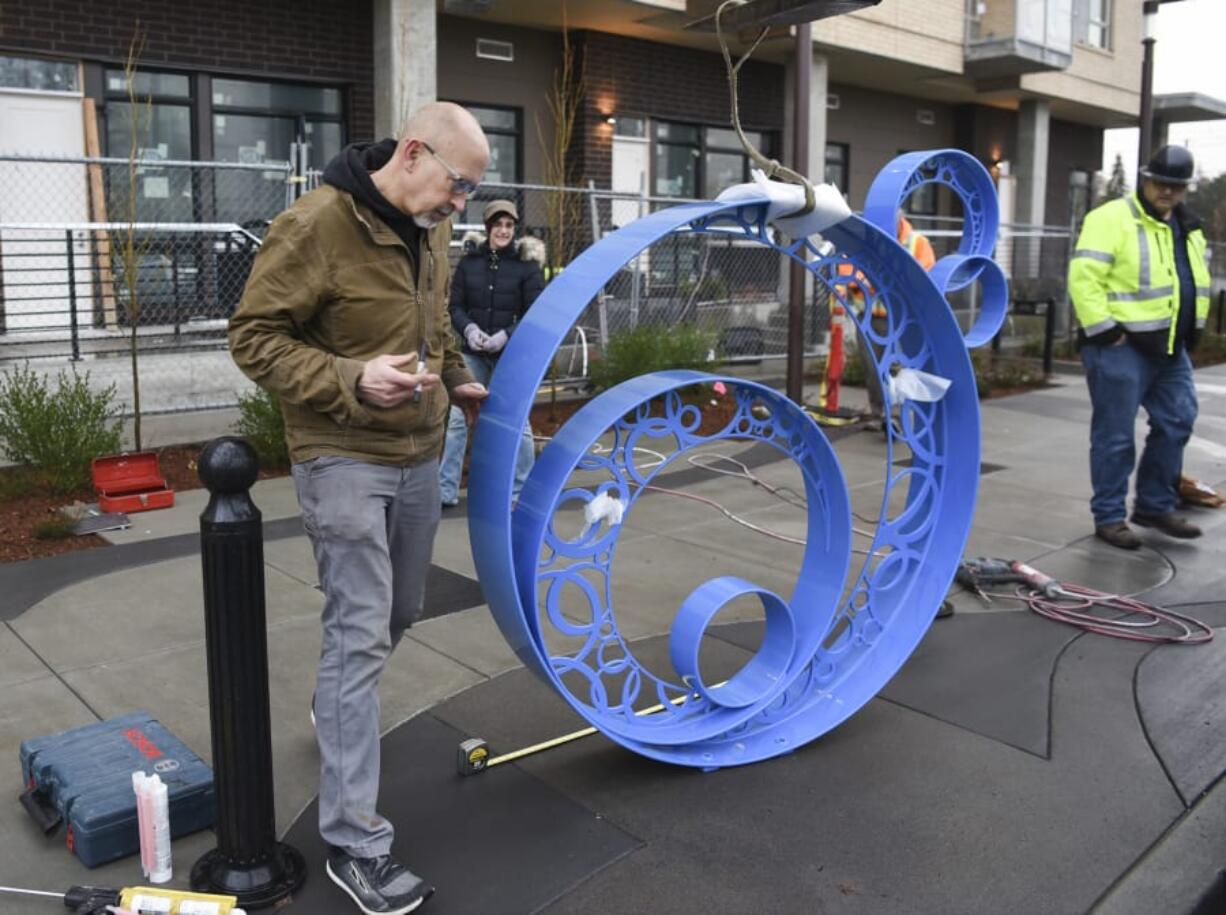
(93, 636)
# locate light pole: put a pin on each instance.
(800, 156)
(1149, 10)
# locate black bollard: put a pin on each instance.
(248, 861)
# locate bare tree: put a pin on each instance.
(404, 103)
(562, 207)
(131, 245)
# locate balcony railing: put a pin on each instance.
(1011, 37)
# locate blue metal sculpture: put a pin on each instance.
(822, 657)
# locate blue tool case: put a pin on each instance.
(84, 777)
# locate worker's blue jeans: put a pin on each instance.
(1121, 379)
(452, 464)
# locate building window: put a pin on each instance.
(631, 128)
(255, 122)
(258, 121)
(923, 200)
(691, 161)
(838, 170)
(161, 130)
(283, 97)
(42, 75)
(1092, 23)
(724, 161)
(503, 128)
(678, 149)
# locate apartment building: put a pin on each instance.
(1026, 85)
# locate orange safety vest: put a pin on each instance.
(858, 286)
(916, 244)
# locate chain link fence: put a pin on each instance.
(91, 247)
(99, 256)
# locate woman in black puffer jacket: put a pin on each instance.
(493, 286)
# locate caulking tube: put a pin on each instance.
(160, 871)
(144, 822)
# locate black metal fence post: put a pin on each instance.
(174, 284)
(72, 298)
(1049, 337)
(248, 861)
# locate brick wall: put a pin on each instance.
(293, 39)
(631, 77)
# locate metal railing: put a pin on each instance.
(81, 285)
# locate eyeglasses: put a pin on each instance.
(459, 183)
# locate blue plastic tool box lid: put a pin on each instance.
(86, 774)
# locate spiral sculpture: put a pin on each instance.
(827, 648)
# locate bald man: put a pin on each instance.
(344, 319)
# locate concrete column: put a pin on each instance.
(406, 61)
(819, 87)
(1030, 168)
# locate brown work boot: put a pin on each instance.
(1117, 533)
(1194, 492)
(1170, 524)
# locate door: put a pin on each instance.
(631, 161)
(631, 156)
(34, 263)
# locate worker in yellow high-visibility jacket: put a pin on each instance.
(1139, 282)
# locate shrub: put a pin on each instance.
(708, 289)
(1062, 348)
(261, 423)
(1004, 373)
(53, 529)
(58, 431)
(16, 482)
(631, 353)
(853, 369)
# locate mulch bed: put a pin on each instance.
(21, 516)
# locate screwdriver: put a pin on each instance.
(421, 367)
(98, 900)
(85, 900)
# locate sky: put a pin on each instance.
(1187, 58)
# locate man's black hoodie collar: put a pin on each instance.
(350, 171)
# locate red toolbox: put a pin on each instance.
(131, 483)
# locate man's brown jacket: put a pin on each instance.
(331, 288)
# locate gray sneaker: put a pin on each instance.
(379, 886)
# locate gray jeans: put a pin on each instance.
(372, 528)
